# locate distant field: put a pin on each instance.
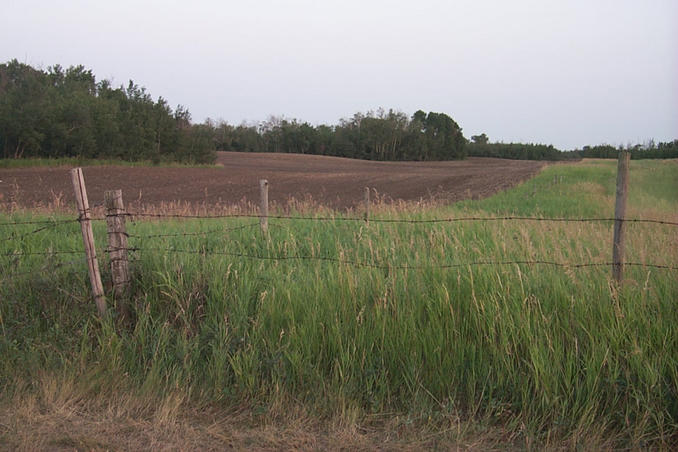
(387, 335)
(329, 181)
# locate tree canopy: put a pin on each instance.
(67, 113)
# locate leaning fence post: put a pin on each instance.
(117, 245)
(88, 239)
(619, 215)
(367, 205)
(263, 208)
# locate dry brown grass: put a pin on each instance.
(57, 417)
(54, 413)
(308, 206)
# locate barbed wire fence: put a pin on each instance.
(118, 249)
(357, 264)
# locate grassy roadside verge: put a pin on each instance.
(511, 354)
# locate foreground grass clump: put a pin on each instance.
(390, 320)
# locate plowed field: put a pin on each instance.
(330, 181)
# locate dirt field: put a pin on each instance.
(330, 181)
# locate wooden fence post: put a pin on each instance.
(367, 205)
(263, 208)
(117, 245)
(619, 215)
(88, 239)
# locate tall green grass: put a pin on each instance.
(543, 352)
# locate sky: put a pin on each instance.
(567, 72)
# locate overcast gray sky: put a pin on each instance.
(569, 73)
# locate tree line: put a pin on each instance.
(480, 146)
(649, 150)
(392, 135)
(380, 135)
(67, 113)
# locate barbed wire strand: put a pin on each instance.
(21, 236)
(190, 234)
(40, 253)
(395, 267)
(56, 266)
(351, 219)
(39, 222)
(395, 220)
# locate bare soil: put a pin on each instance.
(337, 183)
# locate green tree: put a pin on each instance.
(479, 139)
(24, 108)
(61, 113)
